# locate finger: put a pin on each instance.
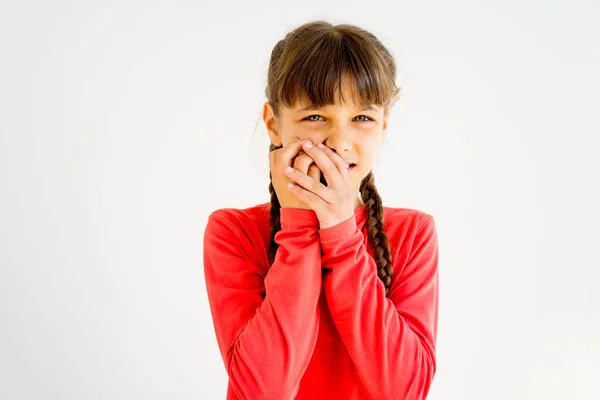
(311, 185)
(315, 202)
(326, 164)
(339, 162)
(288, 152)
(302, 162)
(314, 172)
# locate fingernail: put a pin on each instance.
(321, 145)
(308, 144)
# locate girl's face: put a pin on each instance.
(354, 133)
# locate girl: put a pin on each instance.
(324, 293)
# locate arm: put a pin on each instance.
(266, 326)
(391, 340)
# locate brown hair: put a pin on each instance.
(308, 65)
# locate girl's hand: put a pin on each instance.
(333, 203)
(290, 155)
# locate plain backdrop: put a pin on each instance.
(124, 124)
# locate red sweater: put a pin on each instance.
(317, 324)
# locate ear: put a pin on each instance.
(271, 124)
(385, 123)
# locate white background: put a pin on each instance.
(125, 124)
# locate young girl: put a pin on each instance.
(324, 293)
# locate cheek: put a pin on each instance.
(292, 132)
(368, 145)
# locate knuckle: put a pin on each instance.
(304, 162)
(316, 185)
(331, 168)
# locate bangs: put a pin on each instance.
(315, 74)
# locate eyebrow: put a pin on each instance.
(363, 108)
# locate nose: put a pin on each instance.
(339, 141)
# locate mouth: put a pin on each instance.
(351, 167)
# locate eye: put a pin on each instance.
(310, 116)
(364, 116)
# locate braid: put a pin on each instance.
(376, 230)
(375, 226)
(274, 214)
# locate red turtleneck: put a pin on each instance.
(317, 324)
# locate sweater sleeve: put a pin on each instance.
(266, 323)
(391, 340)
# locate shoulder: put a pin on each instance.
(239, 228)
(409, 230)
(239, 217)
(407, 220)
